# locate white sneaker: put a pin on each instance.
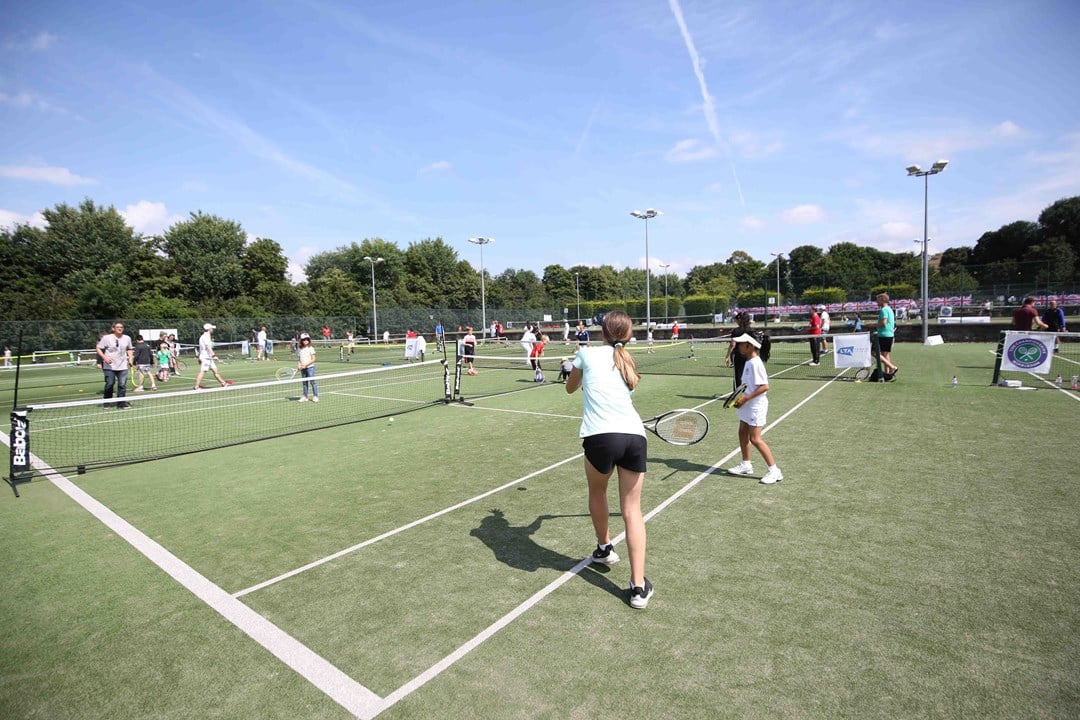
(640, 596)
(772, 476)
(315, 399)
(303, 398)
(743, 468)
(140, 389)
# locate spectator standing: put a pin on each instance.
(733, 358)
(1054, 318)
(814, 331)
(886, 329)
(261, 343)
(582, 335)
(826, 326)
(115, 353)
(1027, 318)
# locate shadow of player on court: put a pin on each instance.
(513, 545)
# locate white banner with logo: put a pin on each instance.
(1028, 351)
(852, 350)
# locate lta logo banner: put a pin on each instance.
(1028, 352)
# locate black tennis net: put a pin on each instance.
(91, 434)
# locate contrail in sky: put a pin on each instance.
(710, 109)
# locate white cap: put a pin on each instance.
(748, 339)
(208, 326)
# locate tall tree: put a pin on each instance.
(208, 252)
(1062, 220)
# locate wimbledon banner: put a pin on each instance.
(1028, 351)
(852, 351)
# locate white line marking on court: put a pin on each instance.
(521, 412)
(435, 670)
(403, 528)
(1054, 386)
(338, 686)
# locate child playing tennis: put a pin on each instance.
(163, 358)
(535, 354)
(753, 407)
(468, 350)
(306, 365)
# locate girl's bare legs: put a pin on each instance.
(598, 505)
(744, 441)
(756, 441)
(630, 483)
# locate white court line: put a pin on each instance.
(395, 531)
(1054, 386)
(435, 670)
(339, 687)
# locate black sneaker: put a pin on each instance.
(639, 596)
(123, 406)
(605, 555)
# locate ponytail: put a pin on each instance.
(618, 329)
(766, 347)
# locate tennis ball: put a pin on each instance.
(391, 421)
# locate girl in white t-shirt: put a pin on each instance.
(614, 440)
(753, 407)
(306, 365)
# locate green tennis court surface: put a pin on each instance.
(918, 560)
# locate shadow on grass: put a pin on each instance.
(513, 545)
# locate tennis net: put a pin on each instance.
(91, 434)
(1028, 354)
(791, 358)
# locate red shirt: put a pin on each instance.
(1024, 317)
(537, 349)
(815, 324)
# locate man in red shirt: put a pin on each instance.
(1027, 318)
(815, 337)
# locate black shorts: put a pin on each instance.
(884, 344)
(468, 352)
(607, 451)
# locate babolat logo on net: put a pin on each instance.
(20, 443)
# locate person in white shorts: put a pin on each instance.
(207, 356)
(826, 324)
(753, 407)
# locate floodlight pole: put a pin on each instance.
(916, 171)
(374, 314)
(665, 266)
(577, 293)
(646, 215)
(482, 241)
(778, 256)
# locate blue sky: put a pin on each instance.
(755, 126)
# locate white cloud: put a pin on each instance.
(900, 230)
(149, 218)
(752, 224)
(438, 166)
(691, 150)
(1007, 129)
(297, 262)
(40, 42)
(44, 173)
(804, 215)
(9, 219)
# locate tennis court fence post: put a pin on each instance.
(997, 359)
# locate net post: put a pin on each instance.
(997, 359)
(19, 465)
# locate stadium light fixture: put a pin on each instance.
(647, 215)
(374, 314)
(482, 241)
(665, 266)
(916, 171)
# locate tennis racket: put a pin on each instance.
(862, 373)
(735, 395)
(285, 373)
(679, 427)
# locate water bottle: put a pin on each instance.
(1075, 381)
(1057, 380)
(955, 382)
